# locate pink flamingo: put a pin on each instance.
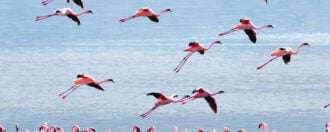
(201, 93)
(263, 126)
(225, 129)
(146, 12)
(136, 128)
(75, 128)
(327, 126)
(65, 12)
(151, 129)
(2, 129)
(84, 80)
(44, 127)
(285, 52)
(192, 48)
(200, 130)
(78, 2)
(162, 100)
(248, 28)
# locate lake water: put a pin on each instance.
(38, 60)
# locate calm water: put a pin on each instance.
(38, 60)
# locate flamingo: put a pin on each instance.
(248, 27)
(225, 129)
(192, 48)
(263, 126)
(146, 12)
(65, 12)
(78, 2)
(162, 100)
(285, 52)
(75, 128)
(136, 128)
(83, 79)
(2, 129)
(200, 130)
(44, 127)
(59, 129)
(202, 93)
(151, 129)
(241, 130)
(327, 126)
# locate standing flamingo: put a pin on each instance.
(327, 126)
(146, 12)
(78, 2)
(201, 93)
(285, 52)
(65, 12)
(248, 28)
(136, 128)
(151, 129)
(75, 128)
(162, 100)
(192, 48)
(84, 80)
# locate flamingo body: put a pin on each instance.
(285, 53)
(192, 48)
(202, 93)
(248, 27)
(146, 12)
(162, 100)
(65, 12)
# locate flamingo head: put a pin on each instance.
(200, 130)
(110, 80)
(168, 10)
(221, 92)
(225, 129)
(217, 42)
(80, 75)
(304, 44)
(89, 11)
(262, 125)
(241, 130)
(270, 26)
(92, 129)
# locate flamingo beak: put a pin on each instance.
(271, 26)
(110, 80)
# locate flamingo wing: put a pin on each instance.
(153, 18)
(252, 35)
(156, 95)
(95, 85)
(74, 18)
(286, 58)
(211, 101)
(79, 3)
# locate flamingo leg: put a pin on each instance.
(125, 19)
(178, 68)
(261, 66)
(45, 2)
(148, 112)
(229, 31)
(69, 92)
(38, 18)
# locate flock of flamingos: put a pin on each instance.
(245, 24)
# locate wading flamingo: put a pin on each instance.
(65, 12)
(248, 27)
(285, 52)
(146, 12)
(151, 129)
(78, 2)
(75, 128)
(192, 48)
(162, 100)
(84, 80)
(327, 126)
(201, 93)
(136, 128)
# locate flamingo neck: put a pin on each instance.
(85, 12)
(297, 51)
(265, 26)
(211, 45)
(103, 81)
(164, 11)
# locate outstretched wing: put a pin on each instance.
(74, 18)
(211, 101)
(156, 95)
(79, 3)
(95, 85)
(153, 18)
(286, 58)
(252, 35)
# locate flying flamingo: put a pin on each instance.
(248, 27)
(146, 12)
(327, 126)
(285, 52)
(136, 128)
(162, 100)
(65, 12)
(201, 93)
(83, 79)
(192, 48)
(78, 2)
